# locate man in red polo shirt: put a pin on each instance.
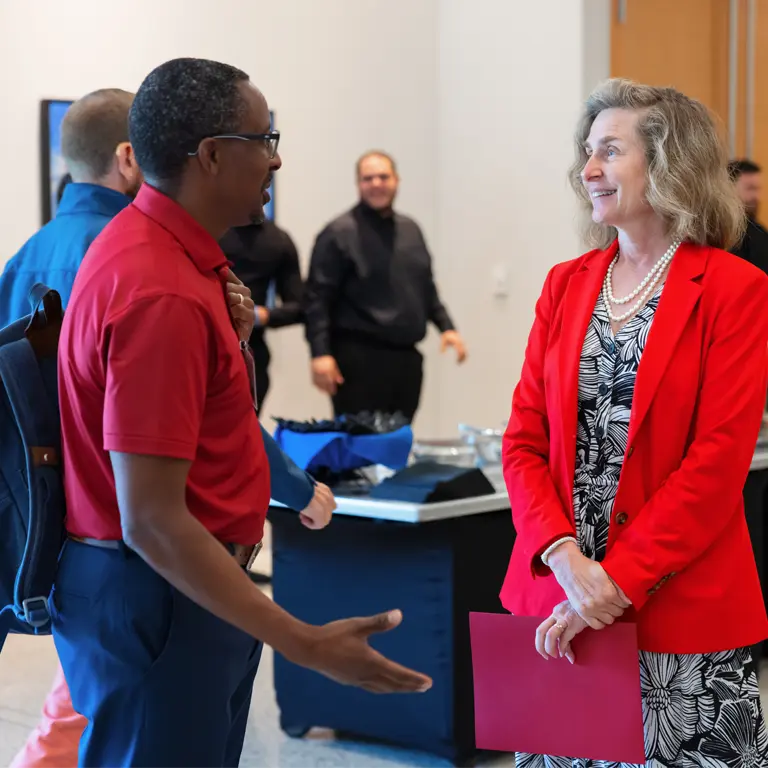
(158, 627)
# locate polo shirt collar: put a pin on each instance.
(199, 244)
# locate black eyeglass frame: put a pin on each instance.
(271, 140)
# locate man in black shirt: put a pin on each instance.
(266, 260)
(747, 176)
(369, 296)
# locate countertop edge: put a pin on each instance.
(407, 512)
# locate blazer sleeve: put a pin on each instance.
(537, 512)
(701, 498)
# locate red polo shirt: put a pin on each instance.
(150, 363)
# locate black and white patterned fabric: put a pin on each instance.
(700, 710)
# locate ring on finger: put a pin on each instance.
(561, 625)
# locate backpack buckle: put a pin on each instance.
(36, 611)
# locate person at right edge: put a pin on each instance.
(369, 294)
(157, 626)
(747, 177)
(633, 428)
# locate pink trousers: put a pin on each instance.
(54, 742)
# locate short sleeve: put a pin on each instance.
(157, 365)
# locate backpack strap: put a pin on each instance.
(44, 325)
(37, 419)
(41, 296)
(36, 295)
(22, 377)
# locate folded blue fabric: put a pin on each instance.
(341, 452)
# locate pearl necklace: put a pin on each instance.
(645, 288)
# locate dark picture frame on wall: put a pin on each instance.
(52, 168)
(269, 208)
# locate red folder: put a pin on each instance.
(523, 703)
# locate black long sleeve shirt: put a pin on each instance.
(371, 278)
(262, 254)
(754, 246)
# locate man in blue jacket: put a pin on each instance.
(105, 178)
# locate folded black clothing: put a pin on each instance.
(429, 482)
(365, 423)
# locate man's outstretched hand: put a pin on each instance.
(340, 651)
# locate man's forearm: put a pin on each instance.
(442, 320)
(286, 314)
(290, 485)
(319, 341)
(317, 322)
(183, 552)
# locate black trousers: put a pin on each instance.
(261, 358)
(377, 378)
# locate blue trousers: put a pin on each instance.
(161, 680)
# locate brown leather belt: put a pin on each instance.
(244, 554)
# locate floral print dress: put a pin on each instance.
(699, 710)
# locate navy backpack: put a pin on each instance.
(32, 505)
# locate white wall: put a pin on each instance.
(342, 75)
(596, 42)
(511, 80)
(476, 100)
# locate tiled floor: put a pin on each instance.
(27, 666)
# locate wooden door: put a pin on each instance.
(688, 44)
(757, 111)
(680, 43)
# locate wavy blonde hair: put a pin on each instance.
(687, 178)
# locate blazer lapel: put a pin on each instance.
(578, 305)
(678, 299)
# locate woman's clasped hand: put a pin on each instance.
(594, 601)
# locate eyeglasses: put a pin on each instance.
(271, 140)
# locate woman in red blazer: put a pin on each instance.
(633, 428)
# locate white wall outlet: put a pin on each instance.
(500, 281)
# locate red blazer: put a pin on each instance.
(678, 541)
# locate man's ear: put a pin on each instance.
(208, 156)
(126, 160)
(128, 169)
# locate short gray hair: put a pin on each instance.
(376, 153)
(91, 131)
